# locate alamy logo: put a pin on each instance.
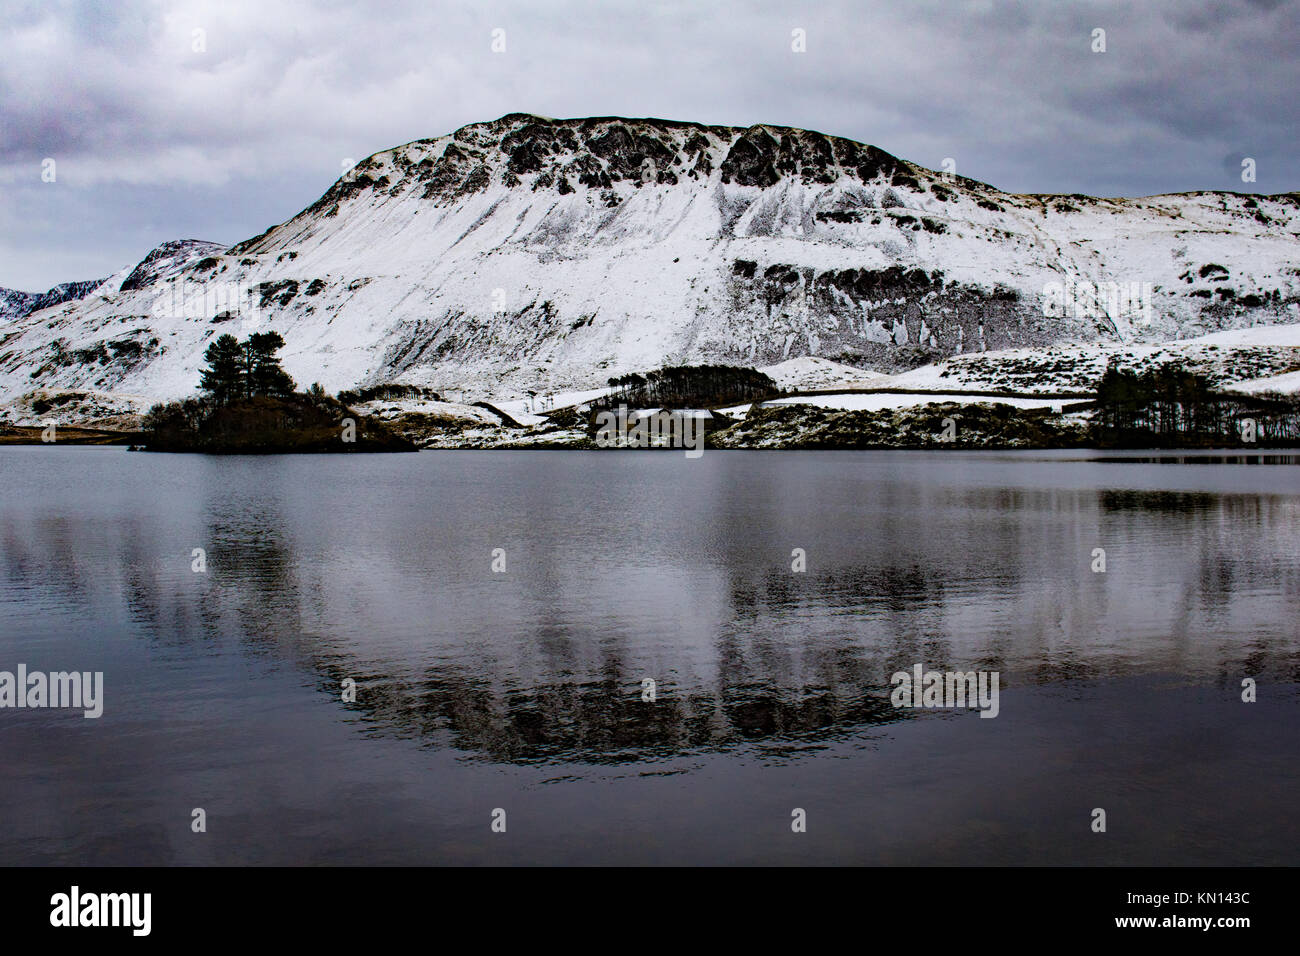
(1092, 300)
(75, 908)
(76, 689)
(924, 689)
(656, 428)
(214, 301)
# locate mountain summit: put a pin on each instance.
(534, 253)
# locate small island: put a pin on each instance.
(249, 406)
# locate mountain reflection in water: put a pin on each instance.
(622, 569)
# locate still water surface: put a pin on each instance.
(522, 690)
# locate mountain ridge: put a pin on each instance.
(15, 304)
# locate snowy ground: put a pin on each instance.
(1234, 359)
(881, 400)
(1232, 356)
(1254, 335)
(91, 409)
(526, 410)
(810, 372)
(386, 409)
(503, 437)
(1287, 383)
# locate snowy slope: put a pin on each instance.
(1288, 383)
(549, 255)
(809, 372)
(877, 401)
(1223, 357)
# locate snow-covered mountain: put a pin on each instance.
(538, 254)
(15, 304)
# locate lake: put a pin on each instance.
(522, 688)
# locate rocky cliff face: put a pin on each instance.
(530, 253)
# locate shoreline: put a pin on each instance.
(66, 435)
(130, 440)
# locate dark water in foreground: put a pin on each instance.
(522, 690)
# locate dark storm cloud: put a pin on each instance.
(155, 141)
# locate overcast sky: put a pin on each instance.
(154, 139)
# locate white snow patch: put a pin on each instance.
(877, 401)
(1253, 335)
(1287, 383)
(812, 372)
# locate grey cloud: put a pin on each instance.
(156, 142)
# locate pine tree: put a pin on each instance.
(264, 374)
(223, 378)
(244, 369)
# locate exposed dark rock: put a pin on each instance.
(752, 160)
(281, 291)
(168, 255)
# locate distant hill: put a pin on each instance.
(16, 305)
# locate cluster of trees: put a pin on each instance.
(238, 370)
(386, 392)
(248, 406)
(1171, 406)
(690, 386)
